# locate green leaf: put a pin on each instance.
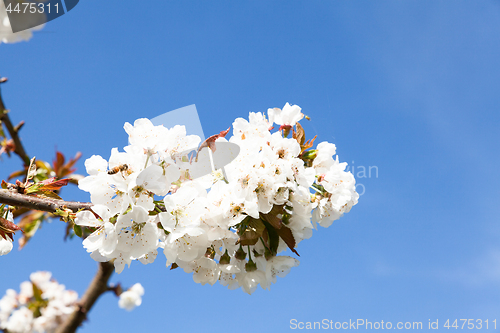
(37, 302)
(252, 232)
(273, 239)
(2, 133)
(272, 218)
(33, 188)
(37, 292)
(30, 224)
(49, 195)
(16, 174)
(78, 230)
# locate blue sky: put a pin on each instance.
(409, 87)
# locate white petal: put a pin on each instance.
(95, 165)
(87, 218)
(5, 246)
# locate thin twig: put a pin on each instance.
(44, 204)
(97, 287)
(13, 131)
(99, 284)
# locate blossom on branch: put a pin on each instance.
(131, 298)
(40, 306)
(268, 199)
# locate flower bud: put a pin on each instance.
(267, 254)
(250, 266)
(210, 253)
(309, 155)
(240, 254)
(225, 259)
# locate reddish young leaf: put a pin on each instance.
(8, 146)
(272, 218)
(299, 135)
(72, 161)
(58, 162)
(8, 228)
(286, 235)
(63, 169)
(210, 142)
(308, 144)
(52, 184)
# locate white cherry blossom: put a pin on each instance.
(147, 200)
(288, 116)
(17, 310)
(131, 298)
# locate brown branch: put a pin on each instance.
(44, 204)
(99, 284)
(13, 131)
(97, 287)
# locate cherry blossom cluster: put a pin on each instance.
(228, 226)
(40, 306)
(131, 298)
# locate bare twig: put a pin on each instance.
(44, 204)
(97, 287)
(13, 131)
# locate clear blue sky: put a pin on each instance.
(411, 87)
